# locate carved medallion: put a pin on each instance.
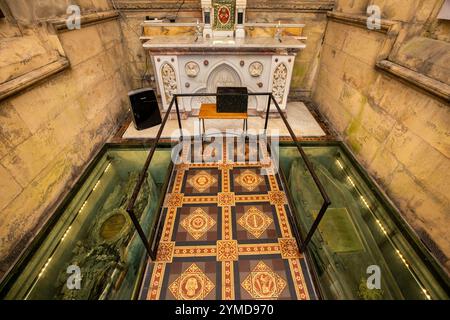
(193, 284)
(263, 283)
(255, 222)
(192, 69)
(198, 223)
(279, 82)
(256, 69)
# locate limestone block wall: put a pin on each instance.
(400, 132)
(50, 131)
(307, 61)
(28, 12)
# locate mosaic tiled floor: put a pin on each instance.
(226, 235)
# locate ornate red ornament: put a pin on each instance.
(224, 15)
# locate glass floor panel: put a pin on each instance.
(94, 235)
(360, 232)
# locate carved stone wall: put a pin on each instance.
(49, 131)
(397, 129)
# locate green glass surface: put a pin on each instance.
(95, 233)
(359, 230)
(338, 231)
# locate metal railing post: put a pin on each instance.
(137, 188)
(309, 166)
(315, 225)
(267, 115)
(178, 113)
(141, 232)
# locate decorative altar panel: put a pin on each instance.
(194, 73)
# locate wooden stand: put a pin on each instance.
(209, 111)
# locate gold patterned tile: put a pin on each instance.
(202, 181)
(174, 200)
(252, 270)
(156, 280)
(249, 180)
(226, 199)
(297, 277)
(182, 166)
(193, 284)
(198, 223)
(165, 252)
(263, 283)
(225, 166)
(289, 248)
(195, 251)
(277, 198)
(255, 221)
(227, 250)
(228, 280)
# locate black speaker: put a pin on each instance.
(231, 103)
(145, 109)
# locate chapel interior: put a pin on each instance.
(292, 150)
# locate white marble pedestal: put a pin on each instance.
(191, 65)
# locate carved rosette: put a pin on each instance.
(280, 76)
(169, 80)
(192, 69)
(256, 69)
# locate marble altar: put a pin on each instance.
(199, 62)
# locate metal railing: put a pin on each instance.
(130, 208)
(143, 175)
(326, 199)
